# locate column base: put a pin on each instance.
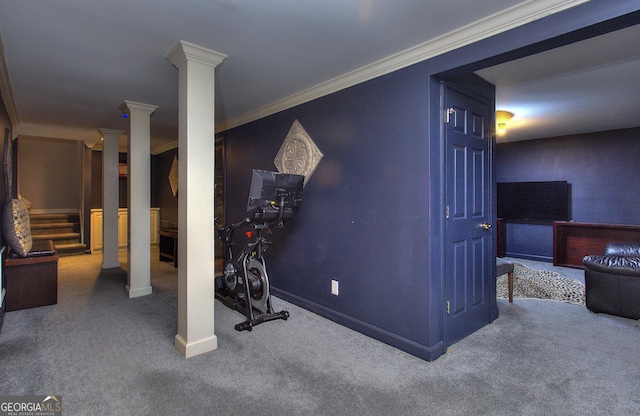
(137, 292)
(110, 264)
(192, 349)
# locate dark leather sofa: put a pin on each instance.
(612, 281)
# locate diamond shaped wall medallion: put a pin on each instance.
(298, 153)
(173, 175)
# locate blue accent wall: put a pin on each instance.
(362, 209)
(372, 213)
(602, 168)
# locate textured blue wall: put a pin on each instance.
(603, 170)
(373, 212)
(363, 207)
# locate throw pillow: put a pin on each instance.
(16, 227)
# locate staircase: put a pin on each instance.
(62, 229)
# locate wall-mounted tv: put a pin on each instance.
(534, 201)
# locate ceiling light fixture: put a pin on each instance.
(502, 117)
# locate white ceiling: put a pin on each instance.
(70, 64)
(584, 87)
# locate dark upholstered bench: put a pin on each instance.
(505, 267)
(32, 281)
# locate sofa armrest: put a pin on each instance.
(627, 266)
(622, 249)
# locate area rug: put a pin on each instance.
(541, 284)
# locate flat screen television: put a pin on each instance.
(269, 190)
(534, 201)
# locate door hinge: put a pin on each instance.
(449, 112)
(447, 212)
(448, 308)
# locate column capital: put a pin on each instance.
(128, 106)
(185, 51)
(110, 132)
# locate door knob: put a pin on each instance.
(486, 225)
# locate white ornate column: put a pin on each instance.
(110, 198)
(196, 236)
(139, 197)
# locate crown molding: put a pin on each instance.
(165, 148)
(502, 21)
(90, 137)
(57, 132)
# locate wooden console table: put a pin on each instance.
(574, 240)
(169, 245)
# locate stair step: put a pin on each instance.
(53, 218)
(54, 227)
(62, 238)
(70, 249)
(61, 228)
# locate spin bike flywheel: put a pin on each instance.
(258, 282)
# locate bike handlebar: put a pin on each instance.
(227, 230)
(241, 223)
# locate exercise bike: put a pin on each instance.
(244, 285)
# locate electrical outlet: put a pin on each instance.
(334, 287)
